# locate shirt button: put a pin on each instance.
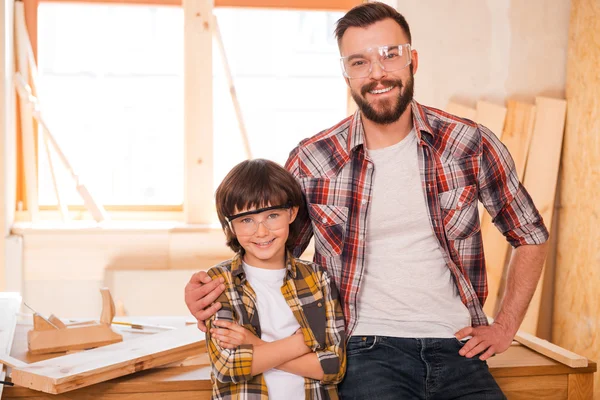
(369, 166)
(459, 203)
(324, 220)
(319, 304)
(364, 202)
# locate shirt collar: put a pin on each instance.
(237, 269)
(420, 124)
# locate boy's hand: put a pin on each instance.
(230, 335)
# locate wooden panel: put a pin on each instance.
(198, 111)
(9, 306)
(461, 111)
(73, 371)
(491, 116)
(576, 318)
(581, 386)
(541, 177)
(516, 136)
(549, 387)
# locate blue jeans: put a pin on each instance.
(382, 368)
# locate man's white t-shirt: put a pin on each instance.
(407, 289)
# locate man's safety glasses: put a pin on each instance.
(390, 58)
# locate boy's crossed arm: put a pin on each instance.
(231, 335)
(252, 356)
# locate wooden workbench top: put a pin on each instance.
(511, 368)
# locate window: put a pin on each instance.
(285, 69)
(112, 93)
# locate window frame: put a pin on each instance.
(198, 97)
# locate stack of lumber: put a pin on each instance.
(73, 371)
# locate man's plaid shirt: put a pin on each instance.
(314, 301)
(459, 161)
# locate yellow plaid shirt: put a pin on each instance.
(314, 301)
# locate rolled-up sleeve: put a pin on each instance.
(228, 365)
(504, 197)
(333, 356)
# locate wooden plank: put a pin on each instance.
(198, 111)
(491, 115)
(233, 93)
(73, 371)
(311, 5)
(551, 350)
(581, 386)
(27, 126)
(541, 177)
(546, 387)
(461, 111)
(516, 136)
(576, 315)
(9, 306)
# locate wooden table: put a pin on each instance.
(521, 373)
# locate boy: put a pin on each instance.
(280, 331)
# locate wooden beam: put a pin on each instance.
(541, 177)
(551, 350)
(10, 304)
(576, 321)
(516, 136)
(27, 126)
(198, 111)
(324, 5)
(461, 111)
(316, 5)
(491, 116)
(77, 370)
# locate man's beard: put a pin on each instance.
(389, 114)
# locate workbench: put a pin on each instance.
(521, 373)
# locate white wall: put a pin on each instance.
(488, 49)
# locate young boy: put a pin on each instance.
(280, 331)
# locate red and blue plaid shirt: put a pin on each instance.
(459, 162)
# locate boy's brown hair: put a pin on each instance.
(258, 183)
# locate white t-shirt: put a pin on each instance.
(407, 289)
(276, 322)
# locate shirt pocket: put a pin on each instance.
(317, 319)
(329, 227)
(459, 212)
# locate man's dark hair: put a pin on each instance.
(258, 183)
(367, 14)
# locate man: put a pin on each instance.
(392, 196)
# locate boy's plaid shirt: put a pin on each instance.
(314, 301)
(459, 161)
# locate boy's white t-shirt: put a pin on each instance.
(276, 322)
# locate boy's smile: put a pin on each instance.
(263, 235)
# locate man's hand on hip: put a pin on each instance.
(491, 339)
(200, 293)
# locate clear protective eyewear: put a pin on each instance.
(390, 58)
(273, 218)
